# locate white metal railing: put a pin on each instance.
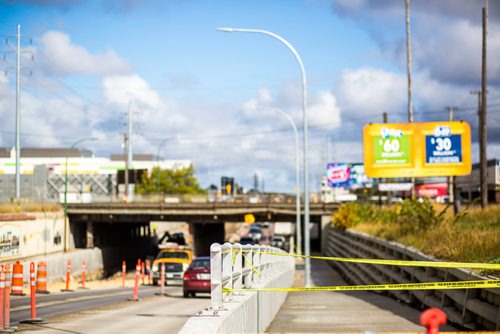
(235, 267)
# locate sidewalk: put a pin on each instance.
(329, 311)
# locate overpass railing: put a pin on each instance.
(236, 267)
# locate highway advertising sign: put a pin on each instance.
(417, 149)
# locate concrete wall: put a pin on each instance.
(57, 263)
(43, 234)
(250, 312)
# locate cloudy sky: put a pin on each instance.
(206, 92)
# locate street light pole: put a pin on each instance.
(66, 189)
(307, 246)
(297, 176)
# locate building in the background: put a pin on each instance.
(341, 180)
(89, 177)
(468, 186)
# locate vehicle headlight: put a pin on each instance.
(155, 267)
(185, 266)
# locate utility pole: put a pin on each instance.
(18, 116)
(452, 190)
(384, 119)
(483, 161)
(128, 150)
(410, 98)
(125, 154)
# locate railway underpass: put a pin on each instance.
(124, 231)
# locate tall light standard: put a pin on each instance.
(66, 189)
(307, 245)
(297, 175)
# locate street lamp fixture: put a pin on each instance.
(307, 245)
(66, 188)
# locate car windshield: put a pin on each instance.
(255, 229)
(173, 255)
(201, 263)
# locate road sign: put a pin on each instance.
(417, 149)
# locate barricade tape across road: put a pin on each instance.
(404, 263)
(482, 284)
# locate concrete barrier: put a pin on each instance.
(56, 264)
(247, 312)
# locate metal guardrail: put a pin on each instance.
(477, 309)
(235, 266)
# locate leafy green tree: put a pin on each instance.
(170, 181)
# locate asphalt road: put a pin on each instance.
(108, 311)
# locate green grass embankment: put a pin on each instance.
(472, 236)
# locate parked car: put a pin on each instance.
(247, 241)
(278, 241)
(196, 279)
(255, 232)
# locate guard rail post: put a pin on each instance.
(247, 268)
(215, 276)
(227, 267)
(256, 261)
(237, 267)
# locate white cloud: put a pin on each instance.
(67, 57)
(370, 92)
(324, 111)
(122, 89)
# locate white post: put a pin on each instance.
(247, 252)
(227, 266)
(237, 267)
(256, 262)
(215, 276)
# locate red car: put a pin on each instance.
(197, 277)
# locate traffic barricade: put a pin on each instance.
(17, 280)
(135, 293)
(68, 277)
(33, 319)
(41, 278)
(124, 273)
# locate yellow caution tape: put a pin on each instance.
(482, 284)
(404, 263)
(250, 264)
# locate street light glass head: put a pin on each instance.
(225, 29)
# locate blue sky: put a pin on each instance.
(201, 87)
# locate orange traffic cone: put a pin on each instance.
(41, 278)
(17, 280)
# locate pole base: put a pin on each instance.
(161, 294)
(8, 330)
(33, 321)
(83, 288)
(67, 290)
(133, 299)
(44, 292)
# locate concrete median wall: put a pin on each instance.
(249, 312)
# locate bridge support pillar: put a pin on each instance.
(325, 222)
(90, 235)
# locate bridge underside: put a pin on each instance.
(125, 230)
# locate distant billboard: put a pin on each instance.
(345, 175)
(417, 149)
